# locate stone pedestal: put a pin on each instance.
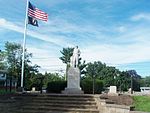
(73, 82)
(113, 91)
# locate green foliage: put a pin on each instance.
(135, 79)
(109, 76)
(145, 82)
(2, 60)
(56, 86)
(94, 69)
(48, 77)
(112, 76)
(142, 103)
(12, 55)
(82, 66)
(41, 80)
(66, 54)
(102, 72)
(54, 83)
(2, 83)
(123, 81)
(3, 91)
(87, 85)
(32, 81)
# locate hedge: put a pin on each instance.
(56, 86)
(86, 85)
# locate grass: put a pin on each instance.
(3, 91)
(142, 103)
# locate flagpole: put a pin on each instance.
(24, 44)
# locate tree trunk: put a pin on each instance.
(66, 76)
(10, 84)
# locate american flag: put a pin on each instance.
(36, 13)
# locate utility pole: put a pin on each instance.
(131, 84)
(93, 83)
(93, 73)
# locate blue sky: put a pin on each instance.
(115, 32)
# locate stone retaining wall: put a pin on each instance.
(138, 112)
(110, 108)
(105, 107)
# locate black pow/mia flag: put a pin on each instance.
(32, 21)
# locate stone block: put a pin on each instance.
(113, 91)
(73, 82)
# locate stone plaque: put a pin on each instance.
(73, 81)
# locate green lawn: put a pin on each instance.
(3, 91)
(142, 103)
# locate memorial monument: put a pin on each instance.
(112, 91)
(73, 74)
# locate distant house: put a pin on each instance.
(5, 81)
(145, 90)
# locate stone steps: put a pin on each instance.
(52, 104)
(56, 111)
(68, 98)
(45, 109)
(63, 105)
(60, 98)
(65, 102)
(45, 105)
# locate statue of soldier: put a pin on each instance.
(74, 59)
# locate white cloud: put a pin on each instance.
(9, 25)
(122, 29)
(130, 46)
(141, 16)
(49, 38)
(2, 21)
(113, 54)
(44, 58)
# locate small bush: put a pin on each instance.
(87, 86)
(56, 86)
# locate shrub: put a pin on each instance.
(87, 86)
(56, 86)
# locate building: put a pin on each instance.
(145, 90)
(5, 80)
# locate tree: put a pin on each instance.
(109, 75)
(13, 56)
(135, 79)
(66, 54)
(54, 82)
(123, 81)
(145, 82)
(2, 60)
(102, 72)
(14, 61)
(93, 73)
(87, 85)
(52, 77)
(82, 66)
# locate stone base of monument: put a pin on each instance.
(73, 82)
(72, 91)
(113, 91)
